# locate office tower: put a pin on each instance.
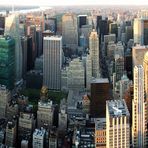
(70, 31)
(75, 75)
(109, 38)
(82, 42)
(82, 20)
(38, 140)
(113, 29)
(141, 30)
(2, 25)
(52, 62)
(10, 139)
(145, 66)
(88, 71)
(12, 29)
(53, 138)
(138, 53)
(139, 117)
(119, 67)
(39, 43)
(100, 133)
(104, 27)
(86, 104)
(129, 33)
(7, 66)
(30, 61)
(100, 92)
(94, 53)
(110, 50)
(26, 125)
(50, 23)
(98, 24)
(24, 55)
(31, 31)
(86, 30)
(4, 98)
(117, 124)
(63, 119)
(124, 85)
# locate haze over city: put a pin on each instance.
(75, 2)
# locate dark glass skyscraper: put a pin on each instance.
(7, 61)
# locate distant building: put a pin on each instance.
(38, 140)
(52, 62)
(100, 89)
(139, 110)
(70, 31)
(117, 124)
(82, 20)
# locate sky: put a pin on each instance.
(74, 2)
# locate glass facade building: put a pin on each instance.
(7, 61)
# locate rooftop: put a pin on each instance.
(117, 108)
(100, 80)
(39, 132)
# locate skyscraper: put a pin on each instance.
(70, 31)
(12, 29)
(139, 127)
(94, 53)
(141, 30)
(117, 124)
(7, 61)
(52, 62)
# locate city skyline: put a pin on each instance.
(76, 2)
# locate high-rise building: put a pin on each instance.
(7, 61)
(113, 29)
(117, 124)
(145, 66)
(100, 133)
(138, 53)
(5, 96)
(100, 92)
(73, 76)
(26, 125)
(38, 140)
(82, 20)
(70, 31)
(45, 113)
(2, 25)
(119, 67)
(139, 117)
(94, 53)
(24, 55)
(52, 62)
(10, 139)
(12, 29)
(141, 31)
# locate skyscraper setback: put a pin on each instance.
(52, 62)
